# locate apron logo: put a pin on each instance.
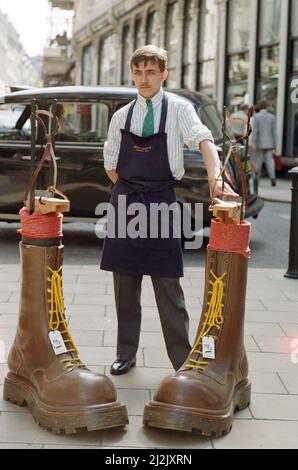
(137, 148)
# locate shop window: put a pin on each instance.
(125, 54)
(238, 53)
(151, 28)
(107, 60)
(291, 121)
(268, 52)
(87, 66)
(207, 47)
(138, 41)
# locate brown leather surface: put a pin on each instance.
(212, 390)
(32, 356)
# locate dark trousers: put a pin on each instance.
(172, 312)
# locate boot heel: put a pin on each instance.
(243, 398)
(12, 393)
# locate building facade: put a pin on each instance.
(233, 50)
(17, 68)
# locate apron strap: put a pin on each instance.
(164, 112)
(163, 118)
(129, 116)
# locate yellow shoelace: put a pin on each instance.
(57, 316)
(213, 319)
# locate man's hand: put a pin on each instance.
(212, 163)
(216, 189)
(112, 175)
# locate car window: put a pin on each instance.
(211, 117)
(82, 122)
(9, 117)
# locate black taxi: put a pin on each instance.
(84, 114)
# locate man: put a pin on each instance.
(264, 140)
(143, 156)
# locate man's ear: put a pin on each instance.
(164, 75)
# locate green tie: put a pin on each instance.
(148, 126)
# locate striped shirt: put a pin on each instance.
(183, 127)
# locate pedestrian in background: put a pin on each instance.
(239, 121)
(264, 140)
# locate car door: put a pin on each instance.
(14, 157)
(79, 153)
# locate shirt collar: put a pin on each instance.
(156, 99)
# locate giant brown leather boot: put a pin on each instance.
(60, 392)
(203, 394)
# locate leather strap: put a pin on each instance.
(233, 151)
(48, 153)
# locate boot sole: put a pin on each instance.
(93, 418)
(179, 418)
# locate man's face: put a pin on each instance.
(148, 78)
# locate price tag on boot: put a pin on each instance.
(208, 347)
(57, 342)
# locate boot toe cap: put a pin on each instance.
(193, 390)
(77, 387)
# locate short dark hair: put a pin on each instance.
(150, 53)
(263, 104)
(243, 107)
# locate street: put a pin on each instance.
(269, 241)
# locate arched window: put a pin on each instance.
(172, 42)
(151, 37)
(107, 60)
(138, 40)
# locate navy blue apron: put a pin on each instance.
(144, 176)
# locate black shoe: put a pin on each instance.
(120, 367)
(273, 183)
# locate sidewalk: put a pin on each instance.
(271, 325)
(279, 193)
